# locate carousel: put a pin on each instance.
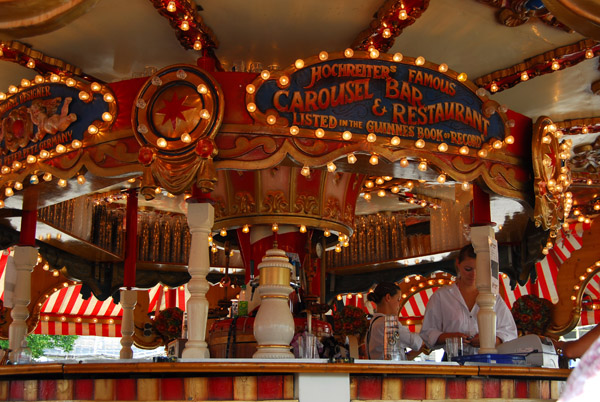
(229, 181)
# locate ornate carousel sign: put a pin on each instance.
(51, 112)
(388, 96)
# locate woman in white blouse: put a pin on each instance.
(452, 310)
(386, 297)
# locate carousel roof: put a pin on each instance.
(522, 54)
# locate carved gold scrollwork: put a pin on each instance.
(551, 178)
(332, 210)
(307, 205)
(275, 202)
(349, 214)
(243, 203)
(219, 206)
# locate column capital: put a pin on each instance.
(201, 215)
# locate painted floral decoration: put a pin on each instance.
(531, 314)
(168, 323)
(350, 321)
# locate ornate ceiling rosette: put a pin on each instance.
(175, 118)
(552, 176)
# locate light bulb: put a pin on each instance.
(387, 33)
(34, 179)
(497, 144)
(482, 153)
(422, 166)
(205, 114)
(47, 176)
(443, 147)
(70, 82)
(62, 183)
(404, 162)
(284, 80)
(381, 193)
(348, 52)
(60, 148)
(442, 68)
(251, 107)
(319, 133)
(197, 45)
(161, 143)
(465, 185)
(402, 14)
(371, 137)
(93, 129)
(374, 53)
(54, 78)
(299, 63)
(25, 83)
(95, 87)
(186, 138)
(250, 89)
(347, 135)
(464, 150)
(397, 57)
(524, 76)
(462, 77)
(84, 96)
(326, 233)
(323, 56)
(107, 116)
(31, 159)
(302, 228)
(13, 89)
(351, 158)
(305, 171)
(509, 139)
(419, 61)
(18, 185)
(265, 74)
(555, 65)
(331, 167)
(203, 89)
(246, 229)
(81, 179)
(275, 227)
(441, 178)
(420, 143)
(223, 232)
(171, 7)
(373, 160)
(367, 196)
(395, 189)
(589, 53)
(185, 25)
(395, 141)
(494, 87)
(294, 130)
(9, 192)
(271, 119)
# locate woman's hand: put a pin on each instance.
(475, 342)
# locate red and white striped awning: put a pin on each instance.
(65, 312)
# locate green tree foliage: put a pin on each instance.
(39, 343)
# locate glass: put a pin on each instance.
(392, 350)
(308, 346)
(454, 347)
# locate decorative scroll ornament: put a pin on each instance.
(552, 176)
(175, 117)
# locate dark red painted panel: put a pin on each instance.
(521, 389)
(46, 390)
(269, 387)
(17, 390)
(171, 389)
(83, 389)
(220, 388)
(414, 388)
(456, 388)
(491, 388)
(368, 387)
(126, 389)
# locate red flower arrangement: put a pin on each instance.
(531, 314)
(350, 321)
(168, 323)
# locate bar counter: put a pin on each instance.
(286, 380)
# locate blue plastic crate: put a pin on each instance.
(510, 359)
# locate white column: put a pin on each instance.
(128, 302)
(25, 259)
(201, 218)
(274, 323)
(486, 319)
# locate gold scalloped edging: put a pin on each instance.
(589, 125)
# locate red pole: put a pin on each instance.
(28, 226)
(130, 239)
(480, 207)
(171, 300)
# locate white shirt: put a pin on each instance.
(377, 336)
(447, 312)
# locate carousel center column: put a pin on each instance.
(200, 221)
(486, 319)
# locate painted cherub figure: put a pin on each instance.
(43, 114)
